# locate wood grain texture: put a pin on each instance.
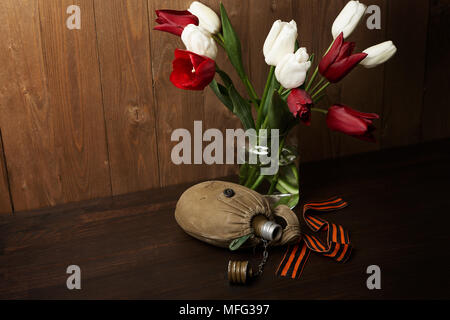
(436, 111)
(130, 247)
(75, 101)
(175, 108)
(261, 18)
(125, 61)
(79, 118)
(315, 19)
(215, 114)
(405, 73)
(26, 116)
(5, 195)
(363, 89)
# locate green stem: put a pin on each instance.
(281, 189)
(280, 90)
(319, 110)
(286, 186)
(257, 182)
(320, 90)
(274, 182)
(312, 79)
(317, 69)
(251, 91)
(317, 85)
(264, 97)
(317, 99)
(248, 85)
(266, 121)
(219, 40)
(251, 176)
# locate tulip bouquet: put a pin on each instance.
(291, 93)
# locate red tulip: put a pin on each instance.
(192, 71)
(300, 103)
(174, 21)
(339, 61)
(354, 123)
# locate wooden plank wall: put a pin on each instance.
(89, 113)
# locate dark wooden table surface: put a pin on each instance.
(130, 246)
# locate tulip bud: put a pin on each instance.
(299, 103)
(348, 19)
(174, 21)
(379, 54)
(192, 71)
(339, 60)
(352, 122)
(199, 41)
(291, 70)
(280, 41)
(209, 20)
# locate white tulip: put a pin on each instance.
(208, 19)
(379, 54)
(199, 41)
(280, 41)
(348, 19)
(292, 69)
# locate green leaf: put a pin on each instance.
(241, 108)
(222, 93)
(225, 78)
(237, 243)
(273, 86)
(232, 43)
(279, 115)
(285, 95)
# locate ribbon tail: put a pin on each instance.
(294, 260)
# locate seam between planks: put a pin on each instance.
(103, 99)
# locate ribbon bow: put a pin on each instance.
(336, 247)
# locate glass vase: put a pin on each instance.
(269, 166)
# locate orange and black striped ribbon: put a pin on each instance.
(337, 245)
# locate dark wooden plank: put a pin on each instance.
(52, 120)
(436, 112)
(70, 61)
(261, 18)
(215, 114)
(125, 60)
(130, 246)
(315, 19)
(404, 74)
(363, 89)
(26, 117)
(5, 196)
(175, 108)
